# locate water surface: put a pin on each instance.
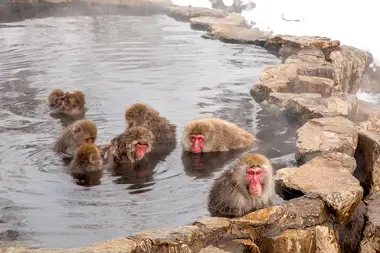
(115, 61)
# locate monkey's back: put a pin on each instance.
(229, 136)
(65, 142)
(227, 198)
(164, 131)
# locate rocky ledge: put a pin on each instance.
(335, 190)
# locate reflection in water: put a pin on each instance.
(116, 61)
(87, 179)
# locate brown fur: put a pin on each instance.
(55, 104)
(87, 159)
(122, 147)
(75, 135)
(74, 103)
(220, 135)
(229, 195)
(140, 114)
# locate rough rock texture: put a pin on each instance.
(185, 13)
(236, 34)
(302, 41)
(204, 23)
(134, 3)
(324, 135)
(311, 84)
(350, 233)
(339, 189)
(350, 64)
(371, 233)
(366, 111)
(368, 156)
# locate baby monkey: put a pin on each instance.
(245, 187)
(140, 114)
(75, 135)
(129, 147)
(214, 135)
(71, 103)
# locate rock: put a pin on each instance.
(302, 41)
(311, 84)
(236, 34)
(343, 104)
(324, 135)
(326, 240)
(338, 161)
(185, 13)
(366, 111)
(204, 23)
(372, 125)
(276, 78)
(350, 64)
(368, 157)
(135, 3)
(350, 233)
(339, 189)
(304, 55)
(371, 235)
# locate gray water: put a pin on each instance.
(115, 61)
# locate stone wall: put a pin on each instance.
(337, 150)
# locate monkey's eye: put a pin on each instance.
(76, 130)
(251, 173)
(259, 172)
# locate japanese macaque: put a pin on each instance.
(129, 147)
(245, 187)
(214, 135)
(75, 135)
(71, 103)
(55, 100)
(140, 114)
(86, 167)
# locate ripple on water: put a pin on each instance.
(116, 61)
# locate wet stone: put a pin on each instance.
(185, 13)
(324, 135)
(338, 188)
(204, 23)
(236, 34)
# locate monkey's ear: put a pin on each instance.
(77, 129)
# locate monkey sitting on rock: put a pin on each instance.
(246, 186)
(214, 135)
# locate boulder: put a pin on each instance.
(204, 23)
(311, 84)
(281, 77)
(185, 13)
(368, 157)
(350, 233)
(302, 41)
(319, 239)
(134, 3)
(350, 64)
(366, 111)
(371, 235)
(338, 188)
(236, 34)
(343, 104)
(324, 135)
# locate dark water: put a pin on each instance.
(116, 61)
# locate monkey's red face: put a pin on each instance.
(196, 141)
(141, 149)
(255, 177)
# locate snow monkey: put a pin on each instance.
(246, 186)
(140, 114)
(214, 135)
(71, 103)
(75, 135)
(129, 147)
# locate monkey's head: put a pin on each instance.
(73, 99)
(136, 114)
(88, 153)
(255, 170)
(84, 131)
(198, 135)
(55, 98)
(140, 141)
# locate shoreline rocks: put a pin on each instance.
(337, 149)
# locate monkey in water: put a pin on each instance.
(71, 103)
(140, 114)
(214, 135)
(55, 100)
(129, 147)
(75, 135)
(246, 186)
(87, 165)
